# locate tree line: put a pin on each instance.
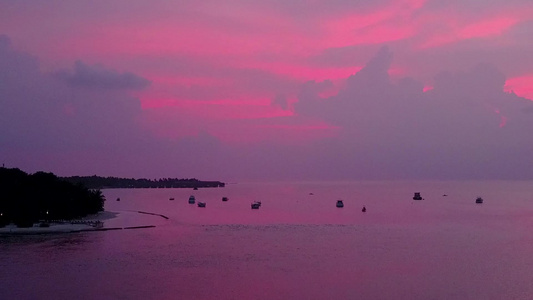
(29, 198)
(98, 182)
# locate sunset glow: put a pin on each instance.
(522, 86)
(330, 77)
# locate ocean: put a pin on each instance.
(297, 245)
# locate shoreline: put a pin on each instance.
(101, 216)
(94, 222)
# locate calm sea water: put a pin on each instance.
(296, 246)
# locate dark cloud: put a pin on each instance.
(466, 127)
(99, 77)
(45, 123)
(312, 103)
(374, 75)
(364, 92)
(280, 101)
(528, 110)
(15, 66)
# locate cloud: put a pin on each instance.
(528, 110)
(466, 127)
(281, 102)
(370, 86)
(41, 117)
(375, 127)
(48, 125)
(99, 77)
(15, 65)
(475, 5)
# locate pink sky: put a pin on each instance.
(268, 89)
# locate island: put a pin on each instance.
(43, 197)
(98, 182)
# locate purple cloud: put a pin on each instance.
(466, 127)
(99, 77)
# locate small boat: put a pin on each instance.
(479, 200)
(170, 198)
(258, 202)
(201, 204)
(340, 203)
(224, 198)
(364, 209)
(311, 194)
(195, 189)
(192, 199)
(417, 196)
(118, 199)
(256, 205)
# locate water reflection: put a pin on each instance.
(296, 246)
(71, 241)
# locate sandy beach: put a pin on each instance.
(88, 223)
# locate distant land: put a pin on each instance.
(98, 182)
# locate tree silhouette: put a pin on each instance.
(98, 182)
(28, 198)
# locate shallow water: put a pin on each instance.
(296, 246)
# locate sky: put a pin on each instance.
(268, 90)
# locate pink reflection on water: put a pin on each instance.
(296, 246)
(309, 203)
